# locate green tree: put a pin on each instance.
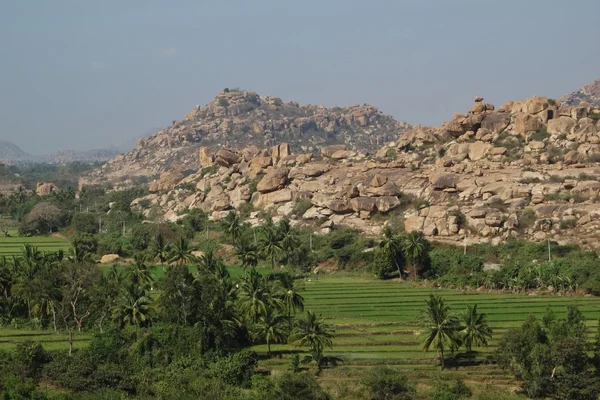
(270, 327)
(312, 332)
(391, 248)
(476, 330)
(232, 226)
(133, 307)
(181, 252)
(160, 248)
(270, 244)
(254, 296)
(289, 240)
(246, 251)
(385, 383)
(441, 327)
(415, 248)
(290, 296)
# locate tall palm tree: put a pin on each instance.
(181, 252)
(270, 245)
(246, 252)
(291, 298)
(254, 296)
(160, 248)
(288, 238)
(271, 328)
(391, 247)
(415, 247)
(441, 327)
(133, 307)
(312, 332)
(140, 274)
(232, 226)
(476, 330)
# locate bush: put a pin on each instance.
(301, 386)
(385, 383)
(111, 243)
(458, 390)
(86, 243)
(141, 237)
(235, 369)
(85, 222)
(301, 207)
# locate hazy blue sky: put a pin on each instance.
(84, 74)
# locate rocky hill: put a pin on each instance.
(10, 152)
(528, 168)
(588, 94)
(237, 119)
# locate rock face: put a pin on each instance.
(525, 169)
(589, 94)
(238, 119)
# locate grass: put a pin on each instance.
(10, 337)
(13, 246)
(377, 322)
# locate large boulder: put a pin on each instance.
(386, 204)
(167, 181)
(109, 258)
(496, 122)
(478, 150)
(561, 125)
(525, 123)
(279, 152)
(328, 151)
(206, 156)
(359, 204)
(414, 223)
(273, 180)
(44, 189)
(441, 181)
(226, 158)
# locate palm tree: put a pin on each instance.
(288, 238)
(312, 332)
(270, 327)
(270, 244)
(476, 330)
(292, 300)
(181, 252)
(254, 296)
(246, 252)
(232, 226)
(441, 327)
(415, 247)
(160, 248)
(391, 247)
(133, 307)
(140, 274)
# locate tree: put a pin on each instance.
(291, 298)
(181, 252)
(270, 327)
(312, 332)
(476, 330)
(288, 238)
(43, 218)
(246, 252)
(160, 249)
(385, 383)
(270, 244)
(391, 248)
(232, 226)
(133, 307)
(85, 223)
(254, 296)
(441, 327)
(415, 247)
(77, 284)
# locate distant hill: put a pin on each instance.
(589, 93)
(12, 153)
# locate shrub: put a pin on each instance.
(86, 243)
(85, 222)
(385, 383)
(209, 170)
(235, 369)
(301, 207)
(458, 390)
(302, 386)
(540, 134)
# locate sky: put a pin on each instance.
(78, 74)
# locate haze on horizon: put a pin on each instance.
(85, 75)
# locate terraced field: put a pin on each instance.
(377, 322)
(10, 337)
(13, 246)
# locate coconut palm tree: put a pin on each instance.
(391, 247)
(288, 238)
(181, 252)
(232, 226)
(140, 274)
(476, 330)
(133, 307)
(290, 297)
(246, 252)
(312, 332)
(254, 296)
(415, 247)
(270, 327)
(441, 327)
(160, 248)
(270, 244)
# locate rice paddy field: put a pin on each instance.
(13, 246)
(377, 322)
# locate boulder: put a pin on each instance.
(343, 154)
(261, 162)
(280, 152)
(496, 122)
(525, 123)
(536, 145)
(498, 151)
(385, 204)
(276, 197)
(44, 189)
(536, 104)
(109, 258)
(478, 150)
(167, 181)
(340, 206)
(221, 202)
(414, 223)
(363, 204)
(441, 181)
(273, 180)
(206, 156)
(328, 151)
(561, 125)
(226, 158)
